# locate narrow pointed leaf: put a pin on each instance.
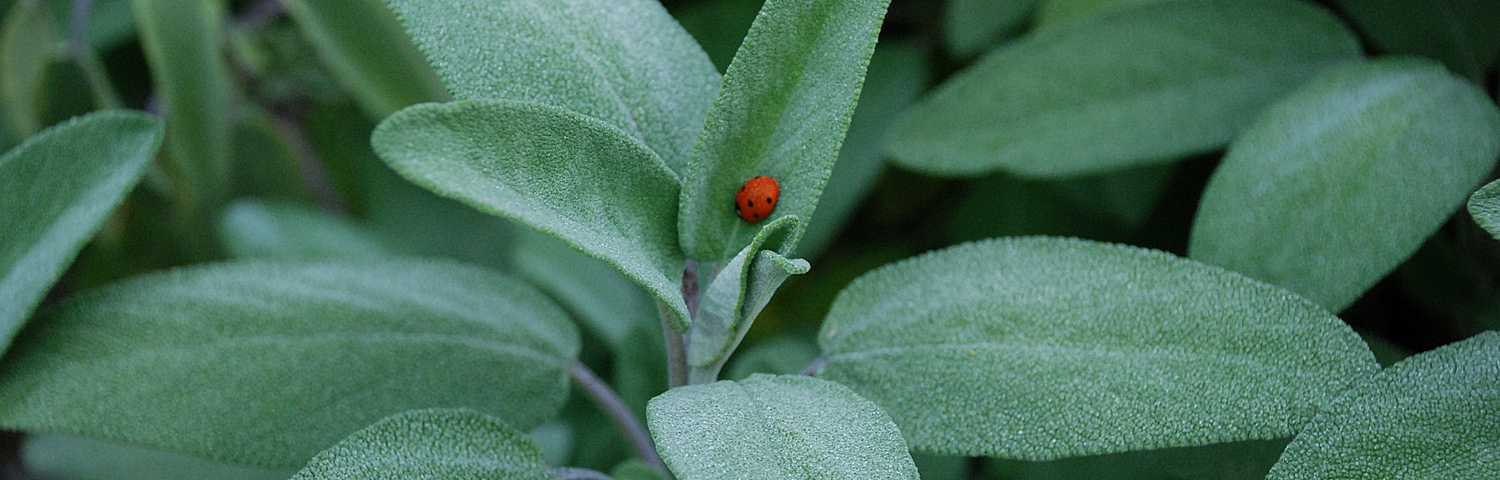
(725, 310)
(776, 427)
(625, 62)
(79, 458)
(254, 229)
(56, 190)
(1135, 86)
(368, 52)
(1041, 348)
(1339, 183)
(1433, 415)
(1484, 206)
(436, 443)
(564, 174)
(285, 359)
(785, 105)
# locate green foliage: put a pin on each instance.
(364, 46)
(781, 427)
(1056, 11)
(255, 229)
(735, 297)
(1429, 416)
(607, 303)
(1110, 91)
(56, 191)
(1459, 33)
(437, 443)
(340, 345)
(1339, 183)
(783, 110)
(80, 458)
(1087, 348)
(1484, 206)
(971, 26)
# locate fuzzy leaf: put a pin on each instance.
(1433, 415)
(776, 427)
(437, 443)
(1041, 348)
(1339, 183)
(972, 26)
(56, 190)
(284, 359)
(607, 303)
(79, 458)
(1132, 87)
(255, 229)
(625, 62)
(735, 297)
(365, 48)
(565, 174)
(783, 111)
(1484, 206)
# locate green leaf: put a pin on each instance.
(339, 344)
(1055, 11)
(368, 52)
(776, 427)
(56, 190)
(934, 467)
(783, 110)
(625, 62)
(1484, 206)
(1460, 33)
(1336, 185)
(640, 366)
(181, 42)
(635, 469)
(719, 26)
(271, 229)
(784, 355)
(436, 443)
(1041, 348)
(730, 303)
(30, 41)
(605, 302)
(265, 158)
(562, 173)
(1135, 86)
(973, 26)
(1249, 460)
(79, 458)
(1429, 416)
(555, 440)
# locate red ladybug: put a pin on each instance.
(757, 198)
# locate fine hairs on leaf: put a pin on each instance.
(437, 443)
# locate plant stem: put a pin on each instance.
(610, 402)
(677, 369)
(88, 60)
(572, 473)
(813, 367)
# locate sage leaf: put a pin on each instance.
(80, 458)
(730, 303)
(368, 52)
(783, 111)
(1040, 348)
(605, 302)
(56, 190)
(284, 359)
(1131, 87)
(566, 174)
(435, 443)
(1484, 206)
(625, 62)
(776, 427)
(1339, 183)
(1248, 460)
(1429, 416)
(972, 26)
(278, 229)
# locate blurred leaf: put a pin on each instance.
(1336, 185)
(265, 160)
(727, 307)
(56, 191)
(1429, 416)
(1086, 348)
(783, 111)
(767, 426)
(1248, 460)
(1108, 206)
(719, 26)
(1484, 206)
(1460, 33)
(624, 62)
(1056, 11)
(973, 26)
(339, 344)
(635, 470)
(934, 467)
(1136, 86)
(79, 458)
(604, 301)
(785, 355)
(640, 366)
(39, 83)
(436, 443)
(258, 229)
(562, 173)
(555, 440)
(368, 52)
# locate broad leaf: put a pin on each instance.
(776, 427)
(972, 26)
(1460, 33)
(1248, 460)
(56, 190)
(1430, 416)
(565, 174)
(1054, 11)
(783, 110)
(367, 51)
(255, 229)
(284, 359)
(78, 458)
(1131, 87)
(625, 62)
(436, 443)
(1339, 183)
(1042, 348)
(1484, 206)
(605, 302)
(730, 303)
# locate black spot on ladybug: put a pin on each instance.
(750, 203)
(770, 200)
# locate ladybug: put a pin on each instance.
(757, 198)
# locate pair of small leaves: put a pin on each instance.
(735, 297)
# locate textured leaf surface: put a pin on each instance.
(56, 189)
(1131, 87)
(776, 427)
(256, 229)
(625, 62)
(1046, 348)
(565, 174)
(972, 26)
(607, 303)
(336, 345)
(1434, 415)
(367, 51)
(436, 443)
(730, 303)
(1336, 185)
(78, 458)
(1249, 460)
(1484, 206)
(785, 105)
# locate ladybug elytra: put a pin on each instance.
(757, 198)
